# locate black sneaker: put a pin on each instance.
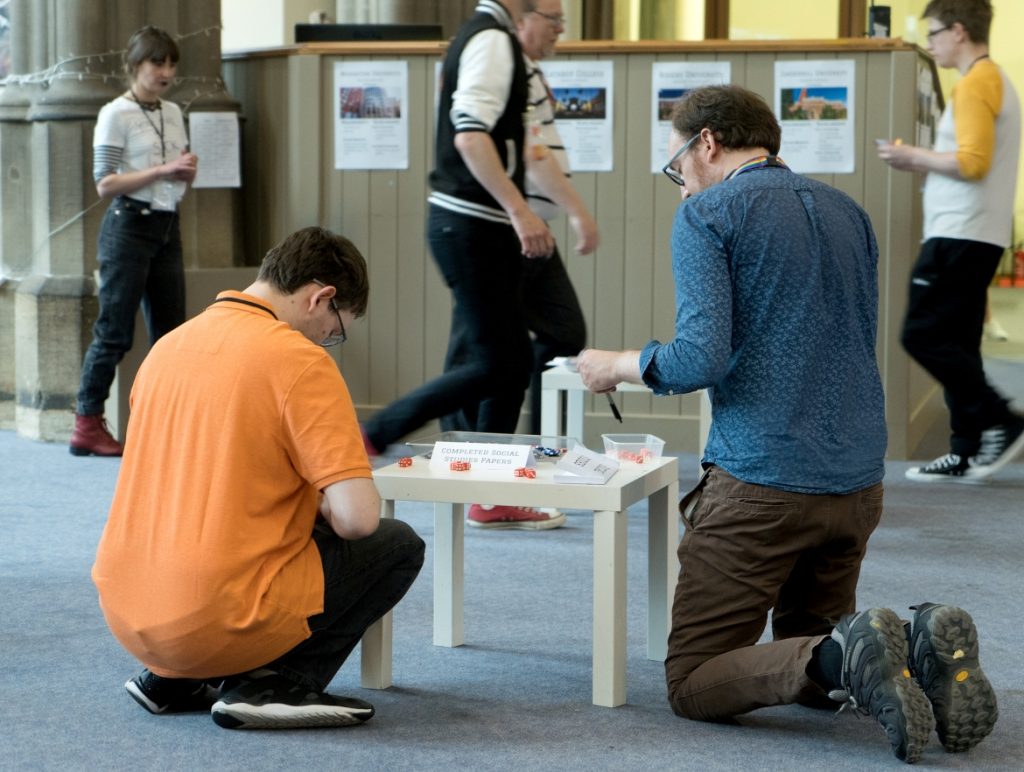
(948, 468)
(999, 446)
(876, 680)
(170, 695)
(944, 659)
(272, 701)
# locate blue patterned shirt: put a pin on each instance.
(777, 311)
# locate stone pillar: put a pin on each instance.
(66, 63)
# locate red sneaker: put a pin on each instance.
(514, 518)
(92, 437)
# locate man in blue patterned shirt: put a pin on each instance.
(777, 296)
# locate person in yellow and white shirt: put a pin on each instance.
(968, 208)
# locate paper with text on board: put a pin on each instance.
(482, 456)
(583, 466)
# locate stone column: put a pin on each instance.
(66, 63)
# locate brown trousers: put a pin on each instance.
(747, 549)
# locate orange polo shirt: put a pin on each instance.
(206, 566)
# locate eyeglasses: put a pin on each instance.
(933, 32)
(670, 172)
(553, 19)
(341, 337)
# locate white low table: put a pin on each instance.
(656, 481)
(559, 378)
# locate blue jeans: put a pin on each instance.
(363, 580)
(489, 360)
(140, 262)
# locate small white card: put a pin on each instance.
(583, 466)
(480, 456)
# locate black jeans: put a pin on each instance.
(140, 262)
(489, 357)
(363, 580)
(942, 332)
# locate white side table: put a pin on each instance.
(559, 378)
(450, 491)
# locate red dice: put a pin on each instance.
(459, 466)
(525, 471)
(404, 462)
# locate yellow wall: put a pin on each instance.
(795, 19)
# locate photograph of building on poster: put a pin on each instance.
(580, 103)
(372, 102)
(814, 104)
(667, 98)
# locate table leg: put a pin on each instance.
(574, 413)
(375, 654)
(662, 566)
(609, 664)
(448, 574)
(550, 412)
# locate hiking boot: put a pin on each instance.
(271, 701)
(999, 446)
(948, 468)
(170, 695)
(876, 680)
(944, 660)
(92, 437)
(514, 518)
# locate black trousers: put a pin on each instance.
(942, 332)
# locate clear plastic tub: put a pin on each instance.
(634, 448)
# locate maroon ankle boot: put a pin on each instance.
(91, 437)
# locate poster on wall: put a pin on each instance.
(814, 103)
(669, 83)
(582, 96)
(371, 115)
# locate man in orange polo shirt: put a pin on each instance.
(244, 545)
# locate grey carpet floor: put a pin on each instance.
(517, 695)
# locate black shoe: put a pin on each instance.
(170, 695)
(999, 446)
(947, 468)
(877, 682)
(272, 701)
(944, 659)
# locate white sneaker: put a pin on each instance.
(995, 331)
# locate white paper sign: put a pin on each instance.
(213, 137)
(583, 466)
(371, 115)
(480, 455)
(814, 102)
(669, 83)
(582, 94)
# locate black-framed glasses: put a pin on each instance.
(341, 337)
(668, 169)
(553, 19)
(933, 32)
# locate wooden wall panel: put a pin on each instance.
(626, 287)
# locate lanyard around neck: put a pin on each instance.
(761, 162)
(159, 132)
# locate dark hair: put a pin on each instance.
(975, 16)
(737, 117)
(317, 254)
(149, 44)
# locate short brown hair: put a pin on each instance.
(149, 44)
(975, 16)
(317, 254)
(737, 117)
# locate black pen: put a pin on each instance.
(612, 405)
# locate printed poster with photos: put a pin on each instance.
(582, 95)
(669, 83)
(814, 103)
(371, 115)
